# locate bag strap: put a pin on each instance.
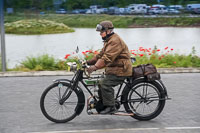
(143, 68)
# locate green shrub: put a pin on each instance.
(165, 58)
(40, 63)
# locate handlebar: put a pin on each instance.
(83, 65)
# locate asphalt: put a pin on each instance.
(20, 109)
(65, 73)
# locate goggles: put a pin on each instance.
(100, 28)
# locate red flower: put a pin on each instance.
(67, 55)
(83, 52)
(166, 48)
(96, 52)
(158, 49)
(149, 53)
(174, 62)
(141, 55)
(172, 49)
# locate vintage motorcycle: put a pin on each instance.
(63, 100)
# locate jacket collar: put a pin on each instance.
(108, 37)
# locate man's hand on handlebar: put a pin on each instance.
(91, 69)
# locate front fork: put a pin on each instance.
(68, 92)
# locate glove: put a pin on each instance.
(91, 69)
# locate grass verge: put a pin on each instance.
(90, 21)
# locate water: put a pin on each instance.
(18, 47)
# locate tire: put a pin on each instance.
(52, 109)
(152, 94)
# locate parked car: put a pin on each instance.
(158, 10)
(104, 10)
(196, 11)
(82, 11)
(88, 11)
(153, 11)
(113, 10)
(61, 11)
(173, 11)
(125, 11)
(177, 7)
(75, 12)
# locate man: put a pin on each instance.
(115, 57)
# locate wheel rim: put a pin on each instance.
(147, 105)
(57, 111)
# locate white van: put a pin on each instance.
(191, 7)
(138, 8)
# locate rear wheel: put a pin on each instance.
(52, 107)
(144, 99)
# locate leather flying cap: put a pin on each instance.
(104, 26)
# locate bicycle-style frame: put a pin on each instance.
(78, 77)
(127, 95)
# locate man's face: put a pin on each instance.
(103, 33)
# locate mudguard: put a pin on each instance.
(142, 79)
(79, 92)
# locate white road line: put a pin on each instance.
(99, 130)
(181, 128)
(120, 129)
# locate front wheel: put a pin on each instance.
(54, 108)
(144, 99)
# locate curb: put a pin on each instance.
(65, 73)
(178, 70)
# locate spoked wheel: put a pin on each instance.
(54, 108)
(145, 100)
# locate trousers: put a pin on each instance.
(106, 88)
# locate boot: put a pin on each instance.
(109, 110)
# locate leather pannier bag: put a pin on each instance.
(148, 71)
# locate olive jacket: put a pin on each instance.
(116, 57)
